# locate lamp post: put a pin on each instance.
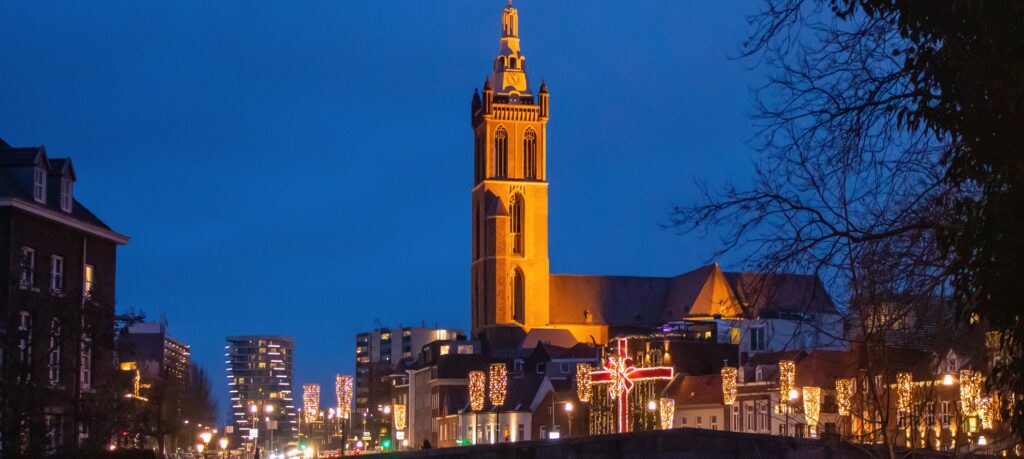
(205, 437)
(791, 396)
(568, 413)
(223, 446)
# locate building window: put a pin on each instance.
(86, 362)
(521, 432)
(682, 422)
(53, 433)
(28, 267)
(501, 152)
(53, 365)
(39, 185)
(700, 422)
(757, 341)
(944, 413)
(56, 274)
(518, 296)
(541, 368)
(88, 280)
(735, 418)
(66, 199)
(25, 338)
(530, 154)
(762, 408)
(714, 422)
(749, 409)
(518, 215)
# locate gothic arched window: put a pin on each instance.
(501, 153)
(518, 296)
(517, 212)
(530, 154)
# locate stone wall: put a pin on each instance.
(673, 444)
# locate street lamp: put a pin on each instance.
(200, 447)
(568, 412)
(223, 444)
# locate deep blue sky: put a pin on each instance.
(304, 168)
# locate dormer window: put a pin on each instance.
(66, 197)
(39, 185)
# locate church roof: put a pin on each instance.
(706, 291)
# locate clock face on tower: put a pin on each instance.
(516, 80)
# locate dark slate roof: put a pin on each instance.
(626, 301)
(799, 293)
(11, 188)
(695, 390)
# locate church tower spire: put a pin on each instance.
(510, 269)
(509, 77)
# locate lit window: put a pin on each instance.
(444, 350)
(28, 267)
(39, 185)
(56, 274)
(88, 279)
(25, 338)
(66, 199)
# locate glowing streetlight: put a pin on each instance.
(793, 394)
(982, 441)
(387, 409)
(205, 437)
(252, 409)
(568, 407)
(268, 408)
(947, 380)
(200, 447)
(223, 443)
(652, 405)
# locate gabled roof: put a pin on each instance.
(695, 390)
(12, 159)
(626, 301)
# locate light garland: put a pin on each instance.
(987, 411)
(904, 393)
(728, 385)
(812, 408)
(498, 383)
(787, 377)
(970, 392)
(343, 392)
(477, 380)
(311, 401)
(667, 411)
(584, 383)
(399, 411)
(844, 395)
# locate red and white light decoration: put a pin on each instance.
(620, 372)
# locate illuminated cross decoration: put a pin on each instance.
(620, 372)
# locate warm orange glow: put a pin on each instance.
(311, 402)
(787, 377)
(477, 382)
(729, 385)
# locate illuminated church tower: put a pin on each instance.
(510, 269)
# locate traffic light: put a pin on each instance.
(386, 444)
(302, 446)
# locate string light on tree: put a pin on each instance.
(477, 383)
(787, 378)
(844, 395)
(987, 410)
(666, 412)
(970, 392)
(812, 408)
(728, 385)
(584, 384)
(311, 401)
(399, 411)
(499, 383)
(343, 392)
(904, 393)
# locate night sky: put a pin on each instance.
(304, 168)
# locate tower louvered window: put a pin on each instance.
(501, 153)
(517, 213)
(518, 296)
(530, 154)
